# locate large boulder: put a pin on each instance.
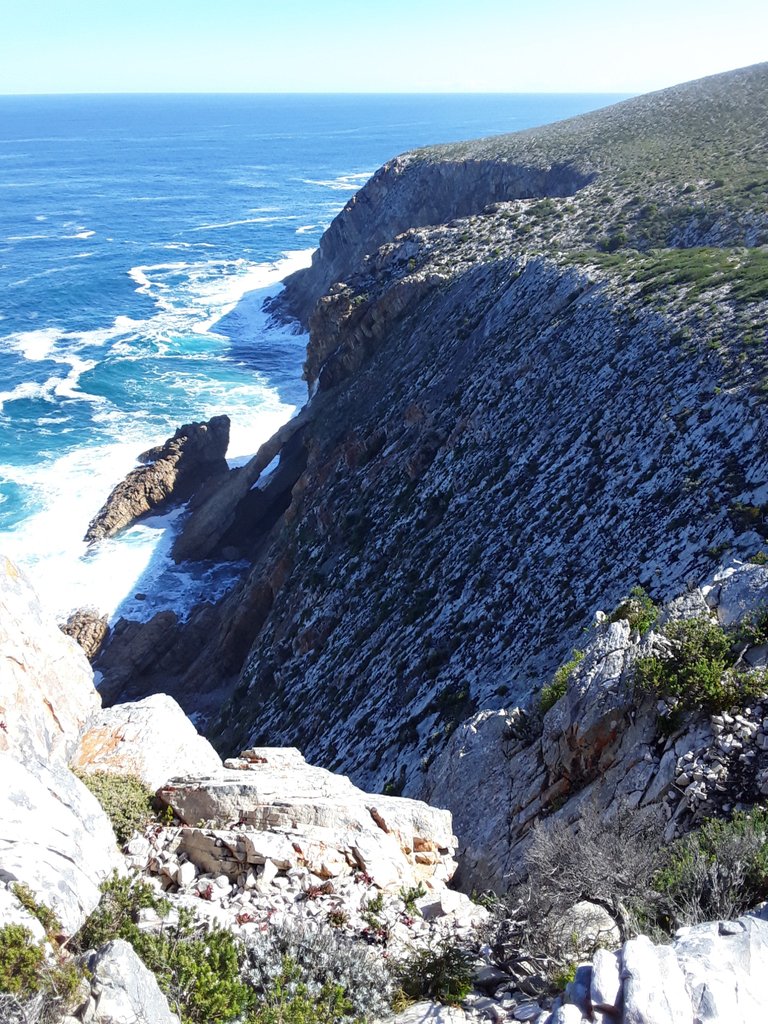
(151, 738)
(55, 838)
(46, 683)
(123, 991)
(317, 818)
(172, 471)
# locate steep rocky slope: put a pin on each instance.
(519, 410)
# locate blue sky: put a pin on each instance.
(382, 46)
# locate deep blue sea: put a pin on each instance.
(139, 236)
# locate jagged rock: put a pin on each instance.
(88, 629)
(151, 738)
(317, 818)
(605, 985)
(46, 683)
(55, 837)
(738, 589)
(654, 984)
(592, 924)
(123, 990)
(171, 472)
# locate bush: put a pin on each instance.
(718, 872)
(198, 971)
(638, 609)
(442, 972)
(607, 862)
(44, 914)
(701, 673)
(552, 693)
(21, 960)
(288, 1000)
(327, 960)
(128, 803)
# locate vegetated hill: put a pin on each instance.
(520, 410)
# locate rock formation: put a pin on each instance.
(55, 837)
(171, 472)
(518, 411)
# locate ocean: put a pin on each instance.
(139, 237)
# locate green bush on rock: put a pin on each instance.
(442, 971)
(702, 671)
(128, 803)
(552, 693)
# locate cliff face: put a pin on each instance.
(519, 411)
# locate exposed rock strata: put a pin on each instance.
(89, 629)
(517, 415)
(151, 738)
(295, 814)
(173, 471)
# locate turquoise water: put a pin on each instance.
(139, 236)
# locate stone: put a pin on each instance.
(124, 990)
(592, 923)
(288, 810)
(151, 738)
(742, 589)
(605, 984)
(46, 683)
(186, 873)
(568, 1014)
(12, 912)
(55, 838)
(654, 985)
(172, 471)
(89, 629)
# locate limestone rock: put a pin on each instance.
(605, 986)
(151, 738)
(430, 1013)
(171, 472)
(123, 990)
(327, 822)
(725, 967)
(591, 923)
(55, 837)
(739, 589)
(654, 985)
(46, 683)
(89, 629)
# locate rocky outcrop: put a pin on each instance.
(292, 814)
(46, 683)
(89, 629)
(712, 973)
(55, 837)
(173, 471)
(151, 738)
(600, 745)
(414, 191)
(123, 991)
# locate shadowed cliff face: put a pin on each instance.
(517, 415)
(413, 192)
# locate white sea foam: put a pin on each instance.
(83, 233)
(247, 220)
(343, 183)
(306, 227)
(67, 491)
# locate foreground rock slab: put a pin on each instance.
(55, 838)
(172, 471)
(123, 991)
(46, 683)
(316, 819)
(151, 738)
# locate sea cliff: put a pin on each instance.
(538, 373)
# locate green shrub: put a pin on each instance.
(289, 1001)
(328, 960)
(759, 558)
(442, 972)
(718, 872)
(128, 803)
(552, 693)
(639, 610)
(21, 960)
(198, 971)
(700, 673)
(44, 914)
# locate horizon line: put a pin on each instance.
(368, 92)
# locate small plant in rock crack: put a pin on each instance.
(409, 897)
